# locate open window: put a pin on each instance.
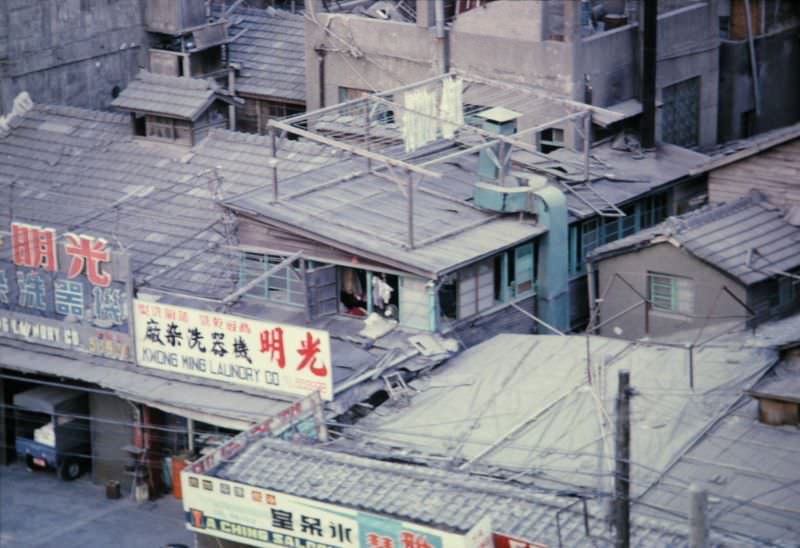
(507, 276)
(362, 291)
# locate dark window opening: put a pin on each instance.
(358, 297)
(448, 298)
(139, 125)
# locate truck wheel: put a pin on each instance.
(69, 469)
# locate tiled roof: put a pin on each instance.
(443, 499)
(70, 167)
(170, 96)
(271, 53)
(80, 170)
(748, 238)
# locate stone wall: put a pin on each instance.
(73, 52)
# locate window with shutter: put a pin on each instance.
(671, 293)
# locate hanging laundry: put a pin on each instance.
(420, 118)
(381, 292)
(451, 109)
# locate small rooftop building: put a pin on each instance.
(269, 56)
(733, 262)
(173, 109)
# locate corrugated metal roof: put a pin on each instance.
(369, 213)
(271, 53)
(617, 175)
(748, 238)
(226, 406)
(750, 471)
(170, 96)
(519, 407)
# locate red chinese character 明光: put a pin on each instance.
(272, 342)
(34, 246)
(87, 253)
(309, 348)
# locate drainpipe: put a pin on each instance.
(753, 65)
(232, 91)
(552, 293)
(441, 38)
(433, 309)
(649, 60)
(321, 75)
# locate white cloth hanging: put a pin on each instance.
(381, 292)
(451, 109)
(419, 119)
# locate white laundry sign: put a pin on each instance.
(266, 355)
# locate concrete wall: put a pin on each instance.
(688, 47)
(500, 40)
(369, 54)
(778, 59)
(665, 259)
(69, 51)
(611, 62)
(111, 430)
(504, 40)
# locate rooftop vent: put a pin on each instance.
(494, 160)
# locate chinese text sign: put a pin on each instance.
(271, 356)
(258, 517)
(64, 291)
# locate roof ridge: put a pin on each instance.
(185, 83)
(81, 112)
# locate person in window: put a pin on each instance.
(352, 293)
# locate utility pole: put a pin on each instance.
(698, 527)
(622, 480)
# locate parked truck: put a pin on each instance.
(53, 430)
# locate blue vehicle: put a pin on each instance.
(52, 430)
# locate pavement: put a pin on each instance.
(39, 510)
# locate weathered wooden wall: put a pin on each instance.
(775, 172)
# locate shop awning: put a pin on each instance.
(198, 400)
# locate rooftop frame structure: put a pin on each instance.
(371, 128)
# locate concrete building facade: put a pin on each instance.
(726, 265)
(549, 45)
(758, 58)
